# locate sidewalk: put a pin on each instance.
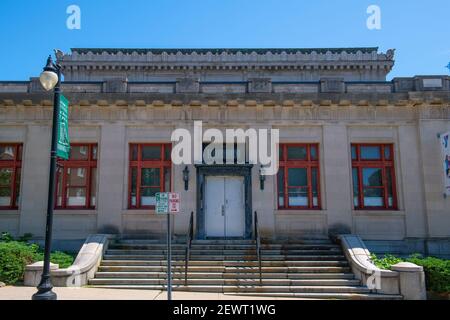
(64, 293)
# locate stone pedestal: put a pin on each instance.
(412, 281)
(33, 273)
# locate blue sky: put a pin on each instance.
(419, 30)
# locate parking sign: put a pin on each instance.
(174, 202)
(167, 202)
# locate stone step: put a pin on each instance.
(197, 252)
(148, 241)
(225, 275)
(228, 282)
(163, 246)
(243, 260)
(231, 262)
(158, 268)
(178, 258)
(223, 242)
(334, 296)
(297, 242)
(245, 289)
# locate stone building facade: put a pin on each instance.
(359, 154)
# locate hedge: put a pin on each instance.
(16, 254)
(437, 271)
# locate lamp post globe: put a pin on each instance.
(48, 80)
(49, 77)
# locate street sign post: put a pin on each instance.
(167, 203)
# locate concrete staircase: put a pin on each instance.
(305, 269)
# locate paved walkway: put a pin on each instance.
(25, 293)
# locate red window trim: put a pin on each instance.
(139, 164)
(384, 164)
(309, 164)
(88, 164)
(14, 164)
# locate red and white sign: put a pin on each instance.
(174, 202)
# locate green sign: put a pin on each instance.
(63, 143)
(162, 202)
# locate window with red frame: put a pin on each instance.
(10, 171)
(298, 177)
(373, 176)
(150, 173)
(76, 186)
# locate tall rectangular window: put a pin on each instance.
(150, 173)
(298, 177)
(10, 171)
(373, 176)
(76, 184)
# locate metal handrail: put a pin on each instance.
(258, 246)
(188, 246)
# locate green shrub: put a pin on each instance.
(6, 237)
(437, 271)
(386, 262)
(14, 256)
(64, 259)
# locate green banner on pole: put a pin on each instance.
(63, 145)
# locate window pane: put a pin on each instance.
(354, 154)
(313, 153)
(5, 196)
(281, 187)
(5, 177)
(389, 187)
(370, 153)
(93, 187)
(167, 152)
(7, 152)
(19, 152)
(79, 153)
(76, 176)
(76, 196)
(373, 197)
(280, 152)
(296, 153)
(167, 179)
(148, 196)
(297, 177)
(94, 152)
(59, 185)
(355, 187)
(134, 152)
(372, 177)
(298, 197)
(133, 186)
(18, 174)
(315, 184)
(387, 152)
(151, 152)
(150, 177)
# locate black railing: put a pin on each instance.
(258, 246)
(190, 235)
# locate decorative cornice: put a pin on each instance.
(235, 56)
(221, 50)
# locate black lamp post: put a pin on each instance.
(50, 79)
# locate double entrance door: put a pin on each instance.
(224, 206)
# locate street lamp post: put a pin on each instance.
(50, 78)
